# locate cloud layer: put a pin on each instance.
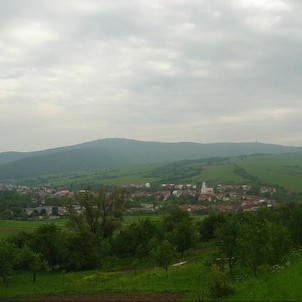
(173, 70)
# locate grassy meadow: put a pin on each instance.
(12, 227)
(284, 170)
(180, 279)
(192, 279)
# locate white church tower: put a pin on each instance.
(204, 189)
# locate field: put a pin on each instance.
(282, 285)
(116, 176)
(221, 173)
(11, 227)
(284, 170)
(190, 282)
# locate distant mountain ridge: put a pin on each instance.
(110, 153)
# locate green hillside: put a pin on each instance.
(112, 153)
(284, 170)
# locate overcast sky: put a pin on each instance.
(73, 71)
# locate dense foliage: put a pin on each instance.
(12, 202)
(249, 240)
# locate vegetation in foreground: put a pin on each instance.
(224, 256)
(191, 279)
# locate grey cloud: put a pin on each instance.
(193, 70)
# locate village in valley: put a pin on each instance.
(222, 198)
(145, 198)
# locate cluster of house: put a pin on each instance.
(42, 211)
(222, 198)
(38, 193)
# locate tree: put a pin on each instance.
(280, 241)
(83, 251)
(208, 226)
(163, 254)
(219, 282)
(21, 239)
(227, 240)
(8, 258)
(254, 243)
(180, 230)
(183, 236)
(50, 241)
(291, 216)
(176, 217)
(101, 213)
(138, 236)
(31, 261)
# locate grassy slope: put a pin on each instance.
(180, 279)
(222, 174)
(190, 279)
(284, 285)
(114, 176)
(12, 227)
(111, 153)
(284, 170)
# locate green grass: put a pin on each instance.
(114, 176)
(284, 285)
(190, 279)
(12, 227)
(224, 174)
(180, 280)
(284, 170)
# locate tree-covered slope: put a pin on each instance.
(109, 153)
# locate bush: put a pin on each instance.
(220, 283)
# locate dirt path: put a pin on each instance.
(135, 297)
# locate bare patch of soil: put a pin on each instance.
(135, 297)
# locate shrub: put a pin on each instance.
(220, 284)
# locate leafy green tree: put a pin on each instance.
(101, 213)
(183, 236)
(208, 226)
(163, 254)
(11, 203)
(145, 230)
(291, 216)
(138, 236)
(21, 239)
(180, 229)
(174, 218)
(31, 261)
(50, 241)
(8, 258)
(227, 240)
(280, 242)
(219, 282)
(254, 243)
(83, 251)
(118, 243)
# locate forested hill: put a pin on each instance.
(109, 153)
